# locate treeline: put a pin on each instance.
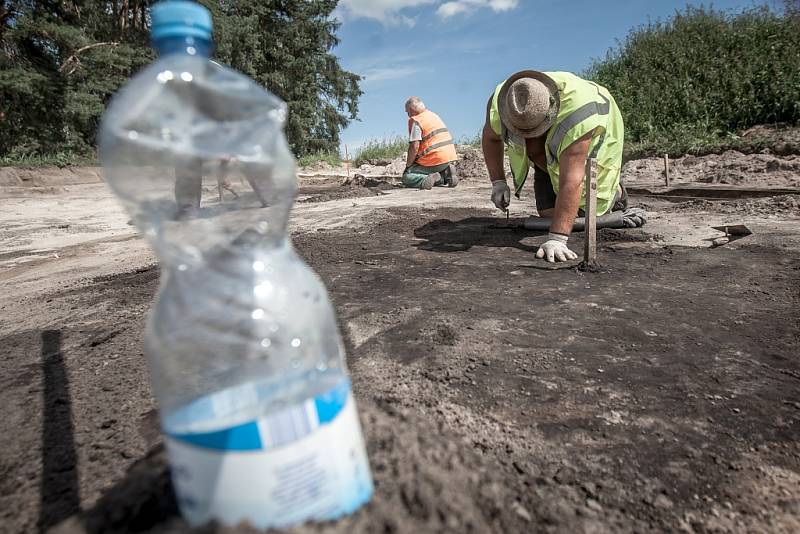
(689, 82)
(60, 61)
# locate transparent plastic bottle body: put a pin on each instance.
(245, 357)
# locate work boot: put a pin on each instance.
(450, 176)
(429, 180)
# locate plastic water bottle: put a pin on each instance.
(246, 360)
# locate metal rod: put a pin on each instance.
(666, 169)
(590, 242)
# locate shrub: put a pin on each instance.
(331, 158)
(703, 74)
(381, 149)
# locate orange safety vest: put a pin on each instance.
(437, 145)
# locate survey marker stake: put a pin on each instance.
(589, 262)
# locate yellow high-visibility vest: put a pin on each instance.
(585, 107)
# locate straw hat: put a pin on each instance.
(528, 103)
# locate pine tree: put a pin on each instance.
(286, 46)
(60, 62)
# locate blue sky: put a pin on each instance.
(453, 53)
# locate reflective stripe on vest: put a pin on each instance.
(574, 119)
(436, 146)
(435, 132)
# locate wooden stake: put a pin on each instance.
(590, 246)
(666, 169)
(346, 162)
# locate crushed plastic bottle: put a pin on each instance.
(245, 356)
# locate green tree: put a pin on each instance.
(60, 62)
(286, 46)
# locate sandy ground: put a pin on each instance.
(497, 394)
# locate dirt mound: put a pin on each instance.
(470, 163)
(778, 206)
(781, 140)
(731, 167)
(319, 166)
(379, 162)
(393, 167)
(360, 180)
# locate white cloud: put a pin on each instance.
(456, 7)
(451, 9)
(391, 73)
(385, 11)
(389, 13)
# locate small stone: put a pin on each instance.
(663, 502)
(594, 505)
(522, 512)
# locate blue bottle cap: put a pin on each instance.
(180, 18)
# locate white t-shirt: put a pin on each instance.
(416, 133)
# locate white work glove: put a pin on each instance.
(501, 194)
(555, 249)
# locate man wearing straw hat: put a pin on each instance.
(554, 120)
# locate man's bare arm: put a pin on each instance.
(572, 169)
(413, 149)
(492, 146)
(493, 153)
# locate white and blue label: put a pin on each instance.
(303, 463)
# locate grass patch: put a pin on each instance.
(381, 150)
(57, 159)
(473, 141)
(331, 158)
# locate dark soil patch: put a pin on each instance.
(496, 396)
(326, 191)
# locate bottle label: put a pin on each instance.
(305, 462)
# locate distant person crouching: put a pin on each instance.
(431, 152)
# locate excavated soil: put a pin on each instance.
(323, 190)
(780, 206)
(470, 165)
(497, 394)
(730, 168)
